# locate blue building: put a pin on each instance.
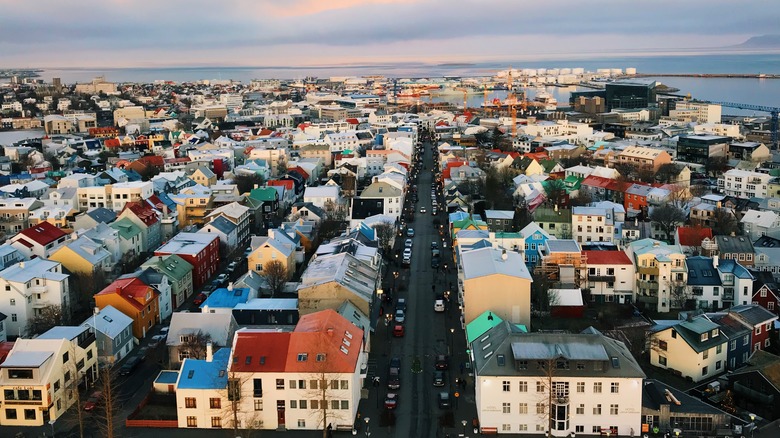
(738, 334)
(535, 238)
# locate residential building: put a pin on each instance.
(562, 262)
(204, 176)
(694, 240)
(736, 248)
(699, 149)
(744, 183)
(131, 238)
(328, 197)
(15, 214)
(268, 197)
(114, 334)
(759, 320)
(667, 408)
(133, 191)
(237, 214)
(661, 273)
(555, 384)
(757, 223)
(693, 349)
(693, 111)
(193, 204)
(82, 255)
(391, 198)
(556, 221)
(643, 157)
(329, 280)
(38, 374)
(201, 250)
(749, 151)
(592, 224)
(496, 281)
(201, 389)
(227, 232)
(29, 287)
(756, 386)
(766, 292)
(146, 219)
(500, 220)
(90, 218)
(611, 276)
(179, 273)
(161, 285)
(276, 247)
(40, 240)
(535, 237)
(738, 335)
(136, 300)
(190, 333)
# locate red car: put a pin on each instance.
(398, 331)
(93, 401)
(391, 402)
(200, 299)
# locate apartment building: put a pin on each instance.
(610, 276)
(744, 183)
(593, 224)
(661, 273)
(693, 348)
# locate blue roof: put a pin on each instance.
(222, 224)
(732, 267)
(367, 231)
(225, 298)
(200, 374)
(702, 272)
(167, 377)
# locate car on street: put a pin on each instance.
(157, 340)
(442, 362)
(95, 399)
(423, 210)
(398, 331)
(408, 243)
(221, 278)
(130, 365)
(200, 299)
(391, 401)
(410, 232)
(401, 304)
(406, 261)
(208, 289)
(435, 263)
(394, 378)
(232, 266)
(395, 362)
(438, 306)
(407, 253)
(400, 316)
(434, 245)
(445, 402)
(434, 210)
(438, 378)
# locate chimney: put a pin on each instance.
(636, 221)
(209, 352)
(330, 331)
(21, 264)
(504, 256)
(715, 262)
(96, 310)
(230, 286)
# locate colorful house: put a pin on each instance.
(136, 300)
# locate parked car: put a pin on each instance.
(410, 232)
(434, 245)
(407, 253)
(200, 298)
(423, 210)
(130, 365)
(394, 378)
(395, 362)
(445, 402)
(221, 278)
(391, 401)
(231, 266)
(408, 243)
(438, 378)
(157, 340)
(93, 401)
(438, 306)
(401, 304)
(398, 331)
(442, 362)
(400, 316)
(435, 263)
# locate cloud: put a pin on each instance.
(262, 32)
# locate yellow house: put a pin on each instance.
(193, 204)
(662, 274)
(83, 256)
(496, 281)
(275, 247)
(204, 176)
(331, 279)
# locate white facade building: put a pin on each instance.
(28, 287)
(744, 183)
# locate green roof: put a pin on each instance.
(548, 165)
(171, 266)
(264, 194)
(127, 229)
(572, 182)
(484, 322)
(508, 235)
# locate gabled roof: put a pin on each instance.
(143, 211)
(218, 326)
(752, 314)
(221, 224)
(265, 194)
(607, 258)
(87, 249)
(490, 261)
(702, 271)
(325, 332)
(131, 290)
(109, 321)
(101, 214)
(127, 229)
(43, 233)
(692, 236)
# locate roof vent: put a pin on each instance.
(504, 256)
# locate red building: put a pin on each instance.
(759, 319)
(201, 250)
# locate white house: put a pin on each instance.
(28, 287)
(555, 383)
(744, 183)
(592, 224)
(322, 196)
(610, 276)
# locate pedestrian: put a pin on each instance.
(461, 368)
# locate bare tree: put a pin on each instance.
(194, 345)
(667, 173)
(46, 318)
(679, 293)
(71, 387)
(698, 190)
(107, 421)
(84, 286)
(548, 390)
(679, 196)
(322, 398)
(667, 217)
(385, 233)
(276, 274)
(336, 212)
(583, 198)
(715, 166)
(724, 222)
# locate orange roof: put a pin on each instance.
(322, 333)
(132, 290)
(692, 236)
(286, 183)
(537, 155)
(616, 257)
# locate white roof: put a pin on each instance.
(489, 261)
(764, 219)
(321, 192)
(109, 321)
(567, 297)
(23, 272)
(28, 359)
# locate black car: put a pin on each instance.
(438, 378)
(394, 378)
(442, 362)
(435, 263)
(130, 365)
(444, 400)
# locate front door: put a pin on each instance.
(280, 413)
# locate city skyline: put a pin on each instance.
(123, 33)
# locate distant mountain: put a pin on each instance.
(762, 41)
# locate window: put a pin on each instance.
(56, 386)
(581, 409)
(758, 330)
(522, 427)
(215, 403)
(10, 414)
(663, 345)
(258, 387)
(613, 409)
(292, 384)
(705, 354)
(293, 404)
(580, 387)
(303, 404)
(279, 383)
(190, 403)
(216, 422)
(302, 423)
(597, 409)
(597, 387)
(192, 422)
(65, 356)
(258, 404)
(522, 408)
(344, 405)
(29, 414)
(343, 384)
(704, 371)
(540, 408)
(13, 317)
(13, 302)
(539, 386)
(505, 408)
(614, 387)
(596, 430)
(506, 427)
(505, 385)
(717, 365)
(523, 386)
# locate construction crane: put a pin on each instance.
(773, 112)
(511, 100)
(465, 97)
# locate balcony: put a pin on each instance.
(648, 284)
(601, 278)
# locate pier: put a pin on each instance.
(703, 75)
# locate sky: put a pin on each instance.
(164, 33)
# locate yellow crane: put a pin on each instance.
(465, 97)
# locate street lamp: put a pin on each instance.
(452, 341)
(753, 427)
(463, 422)
(368, 431)
(51, 422)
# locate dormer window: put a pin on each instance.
(704, 336)
(715, 333)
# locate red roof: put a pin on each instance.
(300, 171)
(353, 121)
(692, 236)
(607, 258)
(5, 348)
(597, 181)
(260, 351)
(143, 211)
(155, 202)
(131, 289)
(538, 156)
(43, 233)
(111, 142)
(286, 183)
(265, 131)
(152, 160)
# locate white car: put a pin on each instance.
(408, 243)
(438, 306)
(407, 253)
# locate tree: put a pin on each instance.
(46, 318)
(582, 199)
(679, 294)
(698, 190)
(245, 183)
(322, 397)
(276, 274)
(679, 196)
(667, 217)
(667, 173)
(627, 171)
(194, 345)
(556, 191)
(107, 423)
(83, 288)
(72, 390)
(724, 222)
(385, 233)
(715, 166)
